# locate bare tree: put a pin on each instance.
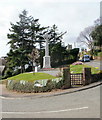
(33, 57)
(98, 21)
(85, 38)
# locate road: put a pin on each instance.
(95, 63)
(83, 104)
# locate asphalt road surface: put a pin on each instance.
(83, 104)
(95, 63)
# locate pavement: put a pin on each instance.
(13, 94)
(51, 72)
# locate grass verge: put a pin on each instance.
(31, 77)
(79, 68)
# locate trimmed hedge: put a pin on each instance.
(96, 77)
(28, 87)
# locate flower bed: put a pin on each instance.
(77, 63)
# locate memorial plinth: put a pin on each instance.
(46, 62)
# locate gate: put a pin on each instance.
(76, 79)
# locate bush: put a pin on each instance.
(16, 85)
(96, 52)
(100, 54)
(50, 85)
(59, 84)
(96, 77)
(18, 71)
(29, 87)
(29, 69)
(8, 73)
(39, 89)
(59, 74)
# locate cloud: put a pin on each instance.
(71, 16)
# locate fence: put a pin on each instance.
(76, 79)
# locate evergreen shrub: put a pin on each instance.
(28, 87)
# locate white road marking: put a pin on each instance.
(1, 97)
(65, 110)
(7, 98)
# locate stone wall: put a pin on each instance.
(87, 76)
(66, 78)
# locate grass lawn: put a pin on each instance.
(79, 69)
(39, 76)
(31, 76)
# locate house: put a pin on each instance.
(69, 47)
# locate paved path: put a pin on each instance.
(10, 94)
(52, 72)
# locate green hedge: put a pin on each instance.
(28, 87)
(100, 54)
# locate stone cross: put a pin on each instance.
(46, 58)
(46, 46)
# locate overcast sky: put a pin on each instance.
(69, 15)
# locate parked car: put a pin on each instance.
(86, 58)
